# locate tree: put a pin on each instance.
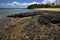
(42, 6)
(52, 3)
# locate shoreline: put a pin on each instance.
(22, 26)
(48, 9)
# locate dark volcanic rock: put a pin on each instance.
(24, 14)
(48, 19)
(31, 26)
(55, 21)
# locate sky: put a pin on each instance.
(21, 3)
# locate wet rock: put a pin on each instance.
(31, 28)
(48, 19)
(21, 15)
(55, 21)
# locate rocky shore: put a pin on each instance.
(31, 26)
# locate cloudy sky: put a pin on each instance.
(21, 3)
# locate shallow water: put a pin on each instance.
(10, 11)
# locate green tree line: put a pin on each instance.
(42, 6)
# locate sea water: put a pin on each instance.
(8, 11)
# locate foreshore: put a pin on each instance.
(31, 26)
(48, 9)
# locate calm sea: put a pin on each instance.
(13, 11)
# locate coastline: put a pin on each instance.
(23, 25)
(48, 9)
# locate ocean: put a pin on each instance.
(10, 11)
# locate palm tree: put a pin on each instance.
(52, 3)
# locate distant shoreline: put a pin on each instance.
(48, 9)
(13, 8)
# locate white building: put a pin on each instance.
(57, 2)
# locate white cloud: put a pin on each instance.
(20, 4)
(47, 1)
(17, 4)
(29, 3)
(13, 3)
(34, 3)
(52, 1)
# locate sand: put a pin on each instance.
(48, 9)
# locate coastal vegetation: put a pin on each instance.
(43, 6)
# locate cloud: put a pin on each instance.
(29, 3)
(19, 4)
(13, 3)
(51, 1)
(47, 1)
